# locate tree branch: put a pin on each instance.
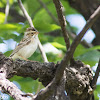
(89, 23)
(86, 8)
(78, 76)
(73, 35)
(31, 24)
(83, 42)
(77, 40)
(6, 11)
(44, 71)
(5, 84)
(60, 70)
(25, 13)
(50, 88)
(94, 81)
(12, 89)
(62, 22)
(42, 52)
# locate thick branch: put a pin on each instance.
(6, 85)
(44, 94)
(77, 83)
(43, 71)
(12, 89)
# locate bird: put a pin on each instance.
(27, 45)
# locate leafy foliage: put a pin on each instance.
(97, 92)
(44, 24)
(2, 17)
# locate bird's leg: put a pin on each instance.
(26, 58)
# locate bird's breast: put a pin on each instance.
(29, 49)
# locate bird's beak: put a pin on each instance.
(36, 32)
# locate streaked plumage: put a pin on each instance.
(27, 45)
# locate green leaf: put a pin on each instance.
(45, 38)
(58, 45)
(94, 48)
(31, 6)
(3, 3)
(9, 27)
(43, 23)
(7, 30)
(96, 95)
(11, 2)
(68, 9)
(1, 40)
(8, 53)
(90, 57)
(30, 85)
(98, 88)
(60, 40)
(2, 17)
(80, 50)
(36, 57)
(54, 57)
(97, 92)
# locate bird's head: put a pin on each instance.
(30, 32)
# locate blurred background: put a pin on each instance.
(44, 16)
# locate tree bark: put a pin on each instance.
(76, 79)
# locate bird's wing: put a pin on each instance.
(22, 43)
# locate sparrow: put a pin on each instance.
(27, 45)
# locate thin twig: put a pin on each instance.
(62, 22)
(60, 70)
(86, 44)
(73, 35)
(93, 84)
(25, 13)
(89, 23)
(42, 52)
(83, 42)
(48, 11)
(31, 24)
(6, 11)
